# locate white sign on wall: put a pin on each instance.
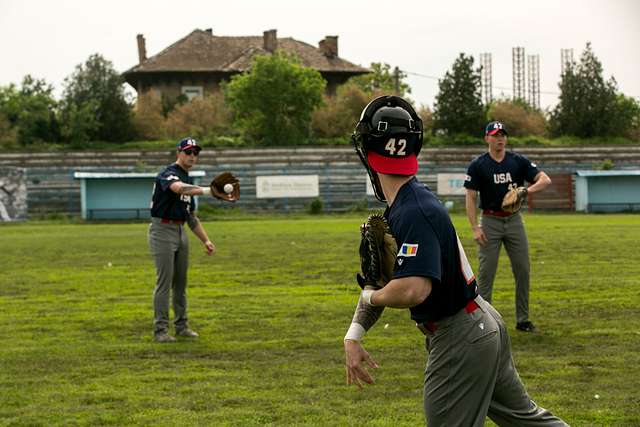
(451, 184)
(281, 186)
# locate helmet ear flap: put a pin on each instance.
(362, 128)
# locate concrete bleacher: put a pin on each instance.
(342, 180)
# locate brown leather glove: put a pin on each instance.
(512, 201)
(378, 251)
(218, 187)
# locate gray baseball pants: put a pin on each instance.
(169, 246)
(510, 231)
(471, 374)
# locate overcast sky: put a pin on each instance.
(47, 39)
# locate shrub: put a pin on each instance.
(520, 119)
(316, 206)
(201, 118)
(339, 114)
(148, 119)
(7, 133)
(426, 115)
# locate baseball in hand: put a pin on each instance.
(228, 188)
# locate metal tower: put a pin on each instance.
(518, 73)
(486, 78)
(566, 58)
(533, 74)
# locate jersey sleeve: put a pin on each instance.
(471, 180)
(418, 251)
(530, 168)
(166, 178)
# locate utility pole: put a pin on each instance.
(396, 80)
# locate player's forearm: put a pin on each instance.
(541, 183)
(199, 231)
(189, 189)
(406, 292)
(366, 314)
(364, 318)
(472, 214)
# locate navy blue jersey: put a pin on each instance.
(167, 204)
(494, 179)
(429, 247)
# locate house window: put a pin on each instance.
(192, 92)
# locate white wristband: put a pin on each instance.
(206, 191)
(355, 332)
(366, 296)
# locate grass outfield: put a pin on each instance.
(272, 307)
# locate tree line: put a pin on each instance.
(280, 102)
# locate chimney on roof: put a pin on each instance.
(329, 46)
(142, 49)
(270, 39)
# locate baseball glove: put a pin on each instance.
(218, 183)
(512, 201)
(378, 251)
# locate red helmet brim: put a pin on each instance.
(393, 166)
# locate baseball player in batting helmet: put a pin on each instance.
(470, 372)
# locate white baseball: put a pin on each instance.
(228, 188)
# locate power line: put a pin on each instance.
(497, 87)
(510, 89)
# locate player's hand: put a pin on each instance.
(210, 247)
(356, 357)
(478, 236)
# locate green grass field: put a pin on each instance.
(272, 308)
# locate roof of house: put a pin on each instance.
(201, 51)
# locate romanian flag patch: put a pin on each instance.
(408, 249)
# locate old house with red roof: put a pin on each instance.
(196, 64)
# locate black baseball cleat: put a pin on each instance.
(525, 326)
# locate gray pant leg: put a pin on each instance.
(517, 247)
(181, 264)
(510, 403)
(488, 255)
(461, 370)
(165, 241)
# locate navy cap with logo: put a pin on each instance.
(189, 143)
(495, 127)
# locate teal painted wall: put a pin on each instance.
(622, 190)
(132, 195)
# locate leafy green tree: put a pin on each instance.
(458, 108)
(273, 102)
(627, 119)
(80, 123)
(590, 106)
(383, 79)
(30, 111)
(96, 88)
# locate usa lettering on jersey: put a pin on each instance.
(502, 178)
